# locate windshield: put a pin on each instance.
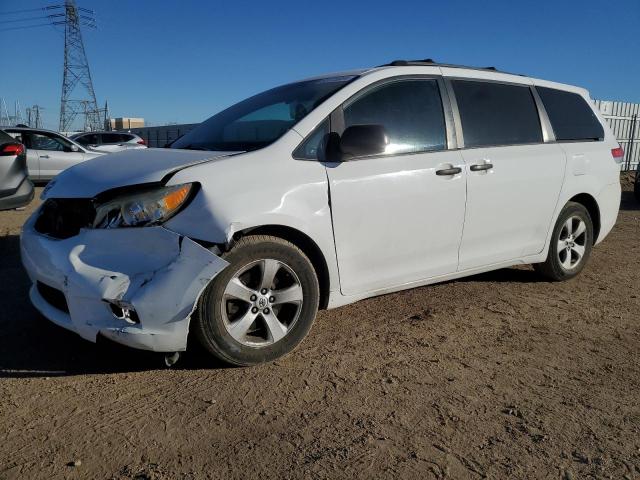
(260, 120)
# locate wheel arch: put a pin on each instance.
(305, 243)
(590, 203)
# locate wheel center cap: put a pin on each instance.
(262, 302)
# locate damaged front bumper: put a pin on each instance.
(151, 275)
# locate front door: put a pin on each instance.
(55, 154)
(398, 217)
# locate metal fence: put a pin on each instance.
(158, 137)
(623, 120)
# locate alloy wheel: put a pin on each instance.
(262, 302)
(572, 242)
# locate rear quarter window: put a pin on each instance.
(570, 115)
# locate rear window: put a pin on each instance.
(570, 115)
(91, 139)
(497, 114)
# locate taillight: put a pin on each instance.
(617, 153)
(141, 142)
(13, 149)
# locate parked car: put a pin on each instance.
(321, 193)
(48, 153)
(15, 188)
(109, 141)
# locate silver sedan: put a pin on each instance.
(49, 153)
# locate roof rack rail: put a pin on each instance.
(431, 62)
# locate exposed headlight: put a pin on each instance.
(142, 209)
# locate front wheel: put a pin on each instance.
(571, 244)
(261, 306)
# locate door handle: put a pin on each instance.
(448, 171)
(44, 156)
(479, 167)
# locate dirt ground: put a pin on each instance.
(499, 375)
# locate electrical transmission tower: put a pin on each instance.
(76, 72)
(34, 119)
(76, 75)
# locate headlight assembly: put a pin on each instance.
(146, 208)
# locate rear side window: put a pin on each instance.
(110, 138)
(497, 114)
(410, 111)
(88, 139)
(570, 115)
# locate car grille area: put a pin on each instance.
(53, 297)
(64, 217)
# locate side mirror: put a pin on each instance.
(71, 148)
(363, 140)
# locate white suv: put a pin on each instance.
(109, 141)
(320, 193)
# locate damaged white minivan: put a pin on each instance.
(317, 194)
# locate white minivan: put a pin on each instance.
(317, 194)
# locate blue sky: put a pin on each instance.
(183, 60)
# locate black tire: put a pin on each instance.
(552, 268)
(209, 318)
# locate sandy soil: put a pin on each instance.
(496, 376)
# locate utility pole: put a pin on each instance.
(76, 72)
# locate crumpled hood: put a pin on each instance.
(129, 167)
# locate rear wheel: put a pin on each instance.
(261, 306)
(571, 244)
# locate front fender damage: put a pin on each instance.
(161, 278)
(153, 271)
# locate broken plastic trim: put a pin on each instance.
(124, 311)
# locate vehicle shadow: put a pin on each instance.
(31, 346)
(628, 202)
(506, 275)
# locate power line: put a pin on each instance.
(49, 7)
(27, 26)
(31, 19)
